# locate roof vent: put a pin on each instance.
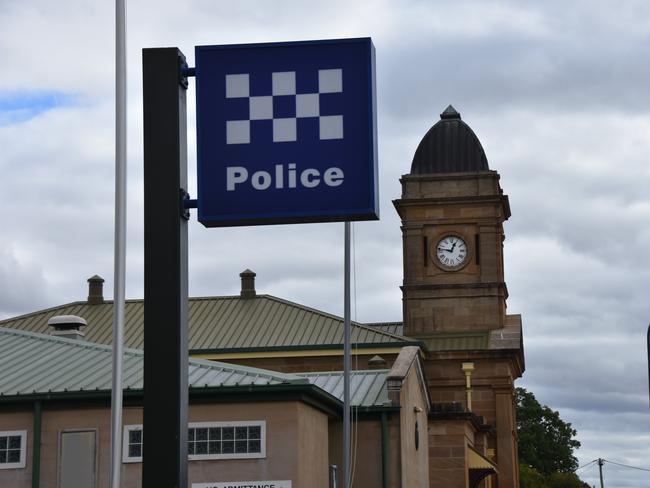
(95, 290)
(67, 326)
(376, 362)
(247, 284)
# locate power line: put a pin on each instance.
(626, 465)
(585, 465)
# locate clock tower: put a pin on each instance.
(454, 297)
(452, 210)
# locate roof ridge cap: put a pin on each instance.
(382, 332)
(214, 297)
(73, 342)
(305, 307)
(336, 317)
(62, 306)
(248, 369)
(44, 310)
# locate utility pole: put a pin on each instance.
(600, 470)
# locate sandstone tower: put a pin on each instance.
(454, 299)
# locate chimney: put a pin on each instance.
(67, 326)
(95, 290)
(247, 284)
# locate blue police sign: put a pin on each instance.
(286, 132)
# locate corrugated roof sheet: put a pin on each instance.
(508, 337)
(367, 387)
(396, 328)
(37, 363)
(456, 341)
(223, 323)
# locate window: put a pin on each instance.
(12, 449)
(132, 444)
(208, 440)
(223, 440)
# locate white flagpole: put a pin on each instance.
(347, 482)
(120, 241)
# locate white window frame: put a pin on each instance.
(246, 423)
(125, 444)
(203, 457)
(23, 448)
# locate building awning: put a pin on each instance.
(475, 460)
(479, 467)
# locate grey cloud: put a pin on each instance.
(22, 282)
(581, 59)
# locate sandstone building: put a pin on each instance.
(433, 395)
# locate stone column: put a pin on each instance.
(506, 439)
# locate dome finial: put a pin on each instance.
(450, 113)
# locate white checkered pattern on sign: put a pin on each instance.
(284, 84)
(237, 86)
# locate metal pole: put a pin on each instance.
(346, 360)
(600, 470)
(120, 241)
(332, 476)
(36, 444)
(648, 361)
(165, 270)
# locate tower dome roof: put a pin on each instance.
(450, 146)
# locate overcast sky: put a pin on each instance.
(557, 92)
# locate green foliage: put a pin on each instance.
(546, 442)
(565, 480)
(529, 477)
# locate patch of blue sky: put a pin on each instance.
(20, 106)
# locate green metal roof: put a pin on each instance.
(34, 364)
(223, 323)
(367, 387)
(396, 328)
(456, 341)
(37, 363)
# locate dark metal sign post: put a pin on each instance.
(165, 270)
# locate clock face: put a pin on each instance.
(451, 252)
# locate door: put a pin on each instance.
(78, 459)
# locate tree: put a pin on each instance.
(546, 442)
(546, 446)
(530, 478)
(565, 480)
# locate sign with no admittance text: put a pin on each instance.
(286, 132)
(245, 484)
